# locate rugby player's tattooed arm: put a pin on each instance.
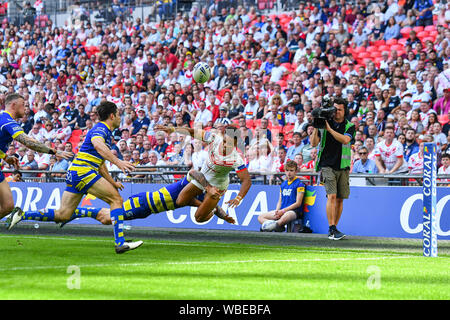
(33, 144)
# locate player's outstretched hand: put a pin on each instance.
(64, 154)
(13, 161)
(229, 219)
(118, 185)
(126, 167)
(233, 203)
(160, 127)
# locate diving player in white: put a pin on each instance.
(223, 157)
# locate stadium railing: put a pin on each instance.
(170, 174)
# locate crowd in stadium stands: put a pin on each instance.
(390, 60)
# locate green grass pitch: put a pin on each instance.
(56, 266)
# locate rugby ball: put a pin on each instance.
(202, 72)
(268, 225)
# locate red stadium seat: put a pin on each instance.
(250, 124)
(430, 28)
(418, 29)
(443, 119)
(405, 31)
(359, 49)
(422, 34)
(402, 41)
(391, 42)
(397, 47)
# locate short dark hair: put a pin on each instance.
(105, 109)
(12, 97)
(340, 101)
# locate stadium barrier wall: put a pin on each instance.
(370, 211)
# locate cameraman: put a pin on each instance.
(334, 160)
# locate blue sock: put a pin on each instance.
(117, 222)
(85, 213)
(40, 215)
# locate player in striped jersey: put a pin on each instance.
(10, 130)
(88, 174)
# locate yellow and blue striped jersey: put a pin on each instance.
(9, 130)
(87, 154)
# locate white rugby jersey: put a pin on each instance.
(415, 163)
(390, 153)
(216, 168)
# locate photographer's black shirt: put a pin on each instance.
(332, 152)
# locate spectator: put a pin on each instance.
(59, 164)
(415, 162)
(364, 164)
(410, 146)
(296, 148)
(30, 164)
(445, 167)
(389, 154)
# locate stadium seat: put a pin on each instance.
(397, 47)
(443, 119)
(422, 34)
(405, 31)
(418, 29)
(430, 28)
(383, 48)
(359, 49)
(402, 41)
(250, 124)
(391, 42)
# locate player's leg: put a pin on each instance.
(69, 203)
(286, 218)
(263, 217)
(186, 195)
(105, 191)
(205, 210)
(330, 183)
(6, 198)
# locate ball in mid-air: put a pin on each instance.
(202, 72)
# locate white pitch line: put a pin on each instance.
(202, 263)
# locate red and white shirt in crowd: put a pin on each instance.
(390, 153)
(444, 170)
(415, 163)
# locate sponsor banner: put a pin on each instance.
(429, 200)
(370, 211)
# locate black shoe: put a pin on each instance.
(330, 234)
(338, 235)
(279, 229)
(127, 246)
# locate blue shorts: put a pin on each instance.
(79, 179)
